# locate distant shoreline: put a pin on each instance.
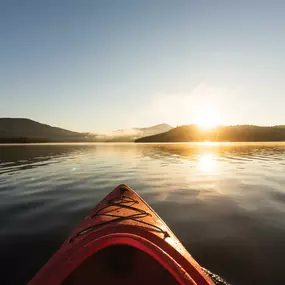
(65, 143)
(204, 144)
(39, 140)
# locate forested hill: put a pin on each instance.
(239, 133)
(26, 130)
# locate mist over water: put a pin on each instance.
(225, 202)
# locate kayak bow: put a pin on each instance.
(122, 241)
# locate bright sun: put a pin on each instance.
(207, 119)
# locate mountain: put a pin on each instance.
(240, 133)
(161, 128)
(26, 130)
(129, 135)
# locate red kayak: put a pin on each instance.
(122, 241)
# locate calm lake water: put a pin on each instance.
(225, 202)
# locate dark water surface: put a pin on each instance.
(225, 202)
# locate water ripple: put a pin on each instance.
(226, 202)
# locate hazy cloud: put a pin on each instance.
(183, 108)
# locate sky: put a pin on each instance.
(104, 65)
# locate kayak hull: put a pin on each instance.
(122, 223)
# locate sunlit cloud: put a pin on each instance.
(204, 102)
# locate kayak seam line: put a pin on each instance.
(120, 203)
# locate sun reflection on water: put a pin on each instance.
(207, 163)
